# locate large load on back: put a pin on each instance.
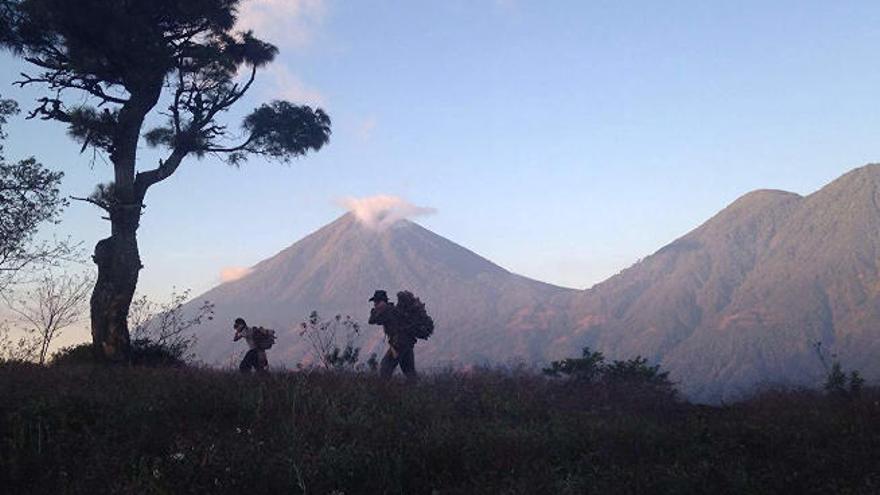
(264, 338)
(415, 317)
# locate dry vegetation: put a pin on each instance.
(85, 429)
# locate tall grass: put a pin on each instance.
(104, 430)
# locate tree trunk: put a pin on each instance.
(118, 263)
(117, 256)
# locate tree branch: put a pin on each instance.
(50, 109)
(100, 204)
(59, 80)
(166, 167)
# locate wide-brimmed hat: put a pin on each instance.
(379, 295)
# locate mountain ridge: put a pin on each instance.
(752, 289)
(734, 303)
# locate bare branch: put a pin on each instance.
(55, 303)
(100, 204)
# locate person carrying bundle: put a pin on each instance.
(403, 324)
(259, 340)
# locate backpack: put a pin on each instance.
(264, 338)
(415, 318)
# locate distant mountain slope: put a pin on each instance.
(737, 302)
(474, 302)
(740, 300)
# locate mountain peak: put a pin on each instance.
(383, 211)
(869, 171)
(759, 202)
(336, 268)
(764, 197)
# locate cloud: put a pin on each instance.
(287, 23)
(231, 273)
(283, 84)
(381, 211)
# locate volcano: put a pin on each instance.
(482, 312)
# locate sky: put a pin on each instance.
(562, 140)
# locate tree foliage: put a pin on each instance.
(115, 51)
(105, 66)
(29, 197)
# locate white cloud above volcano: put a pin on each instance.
(381, 211)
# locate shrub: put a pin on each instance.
(589, 367)
(592, 368)
(73, 355)
(837, 382)
(636, 370)
(334, 341)
(144, 352)
(347, 358)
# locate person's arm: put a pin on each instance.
(377, 316)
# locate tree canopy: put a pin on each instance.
(29, 197)
(126, 57)
(123, 53)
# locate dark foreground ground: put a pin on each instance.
(97, 430)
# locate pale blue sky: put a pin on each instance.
(562, 140)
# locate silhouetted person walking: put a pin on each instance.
(400, 342)
(255, 358)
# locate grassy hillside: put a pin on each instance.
(98, 430)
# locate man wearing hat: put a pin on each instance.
(400, 342)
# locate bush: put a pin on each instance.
(144, 352)
(73, 355)
(333, 342)
(343, 359)
(837, 383)
(588, 368)
(592, 368)
(636, 370)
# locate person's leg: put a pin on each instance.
(407, 360)
(262, 364)
(249, 361)
(389, 362)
